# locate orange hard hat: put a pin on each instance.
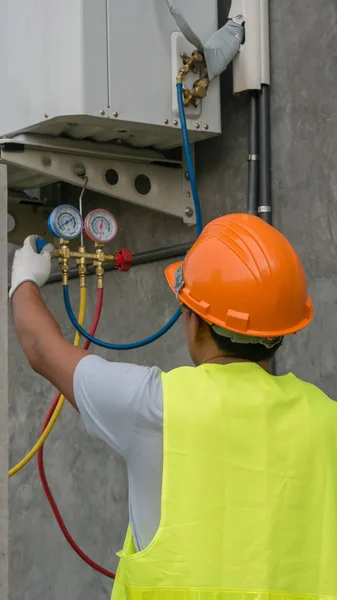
(244, 276)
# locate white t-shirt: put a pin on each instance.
(122, 404)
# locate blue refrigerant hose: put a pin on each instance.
(197, 207)
(189, 160)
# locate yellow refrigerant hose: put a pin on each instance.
(41, 441)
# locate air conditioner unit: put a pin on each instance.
(101, 70)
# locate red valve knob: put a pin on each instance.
(123, 260)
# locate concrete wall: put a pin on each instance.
(304, 119)
(88, 479)
(3, 389)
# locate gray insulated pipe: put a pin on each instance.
(222, 46)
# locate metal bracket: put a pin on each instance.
(131, 175)
(189, 212)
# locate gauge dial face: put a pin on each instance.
(65, 222)
(100, 226)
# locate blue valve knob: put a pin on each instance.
(40, 244)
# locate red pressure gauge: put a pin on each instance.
(100, 226)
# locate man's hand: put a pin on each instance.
(29, 265)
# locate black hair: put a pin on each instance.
(252, 352)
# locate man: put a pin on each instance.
(232, 471)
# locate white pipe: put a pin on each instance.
(247, 64)
(265, 42)
(252, 64)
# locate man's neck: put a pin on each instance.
(227, 360)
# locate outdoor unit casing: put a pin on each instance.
(102, 70)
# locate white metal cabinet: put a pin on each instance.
(53, 60)
(99, 70)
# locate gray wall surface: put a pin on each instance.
(3, 389)
(87, 478)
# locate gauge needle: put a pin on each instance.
(101, 227)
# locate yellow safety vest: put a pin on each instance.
(249, 493)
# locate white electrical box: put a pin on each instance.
(101, 70)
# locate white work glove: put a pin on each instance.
(29, 265)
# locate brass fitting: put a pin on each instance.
(190, 64)
(99, 274)
(198, 58)
(101, 256)
(198, 92)
(182, 74)
(63, 254)
(99, 264)
(82, 269)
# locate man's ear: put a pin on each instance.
(194, 326)
(200, 328)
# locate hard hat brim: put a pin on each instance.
(170, 274)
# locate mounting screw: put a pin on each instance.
(175, 123)
(102, 112)
(188, 194)
(166, 121)
(115, 114)
(46, 161)
(46, 115)
(197, 125)
(206, 127)
(186, 175)
(189, 211)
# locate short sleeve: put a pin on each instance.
(109, 397)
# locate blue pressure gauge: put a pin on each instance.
(65, 222)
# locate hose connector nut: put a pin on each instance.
(82, 269)
(123, 260)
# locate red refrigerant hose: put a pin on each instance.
(42, 472)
